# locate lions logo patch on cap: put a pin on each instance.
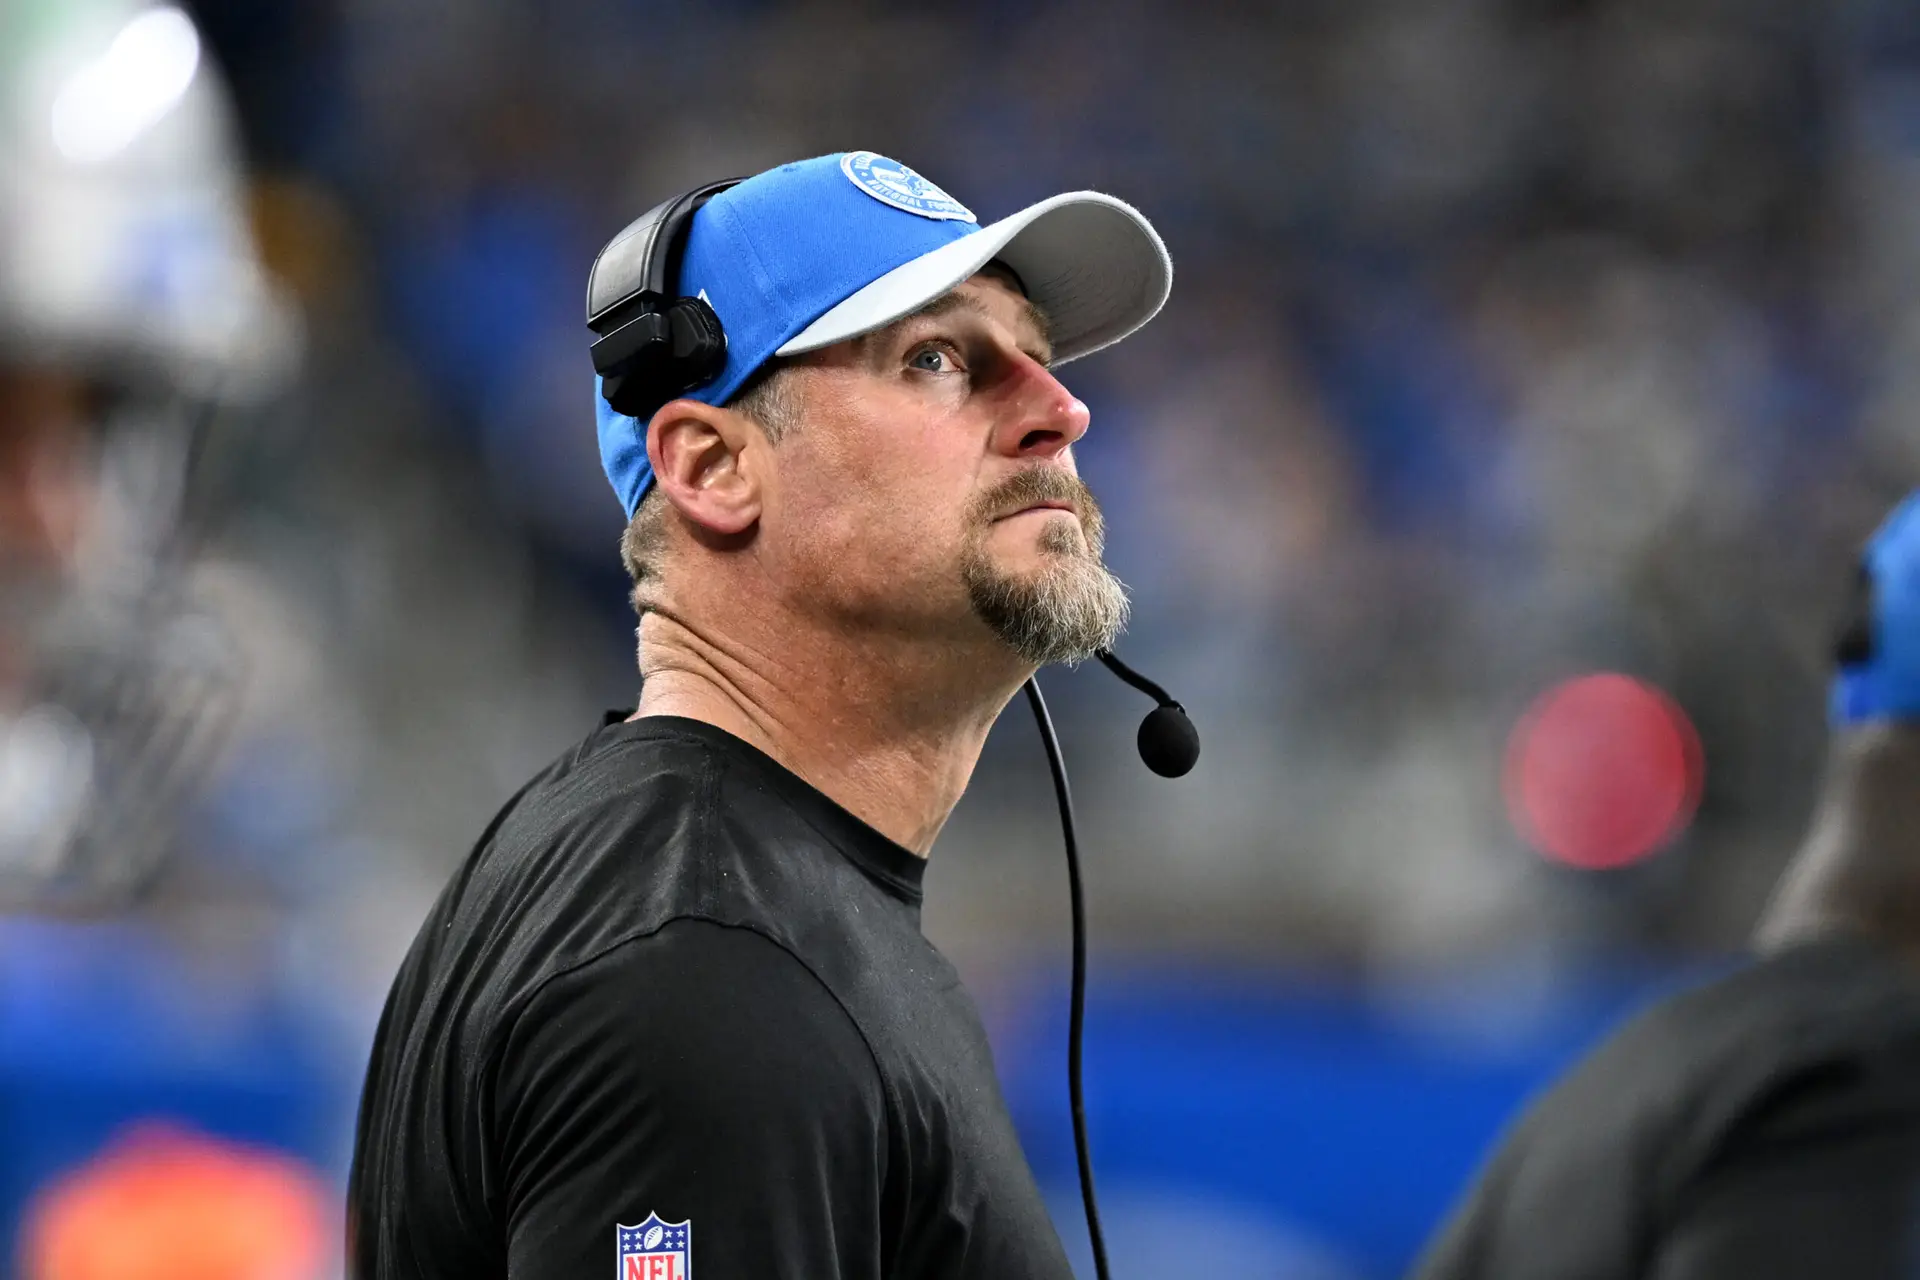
(892, 183)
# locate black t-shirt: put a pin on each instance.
(1765, 1126)
(676, 984)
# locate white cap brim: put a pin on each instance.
(1092, 264)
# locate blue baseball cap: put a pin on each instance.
(1886, 684)
(819, 251)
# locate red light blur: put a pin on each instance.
(1602, 771)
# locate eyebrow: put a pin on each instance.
(954, 300)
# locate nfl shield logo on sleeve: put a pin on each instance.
(656, 1250)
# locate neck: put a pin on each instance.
(887, 729)
(1859, 870)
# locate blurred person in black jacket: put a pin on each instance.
(1766, 1124)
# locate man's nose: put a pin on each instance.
(1041, 416)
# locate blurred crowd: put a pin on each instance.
(1511, 339)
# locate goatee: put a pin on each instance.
(1073, 605)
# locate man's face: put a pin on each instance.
(928, 484)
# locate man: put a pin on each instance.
(1766, 1124)
(676, 1010)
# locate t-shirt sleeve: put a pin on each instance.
(1819, 1181)
(700, 1074)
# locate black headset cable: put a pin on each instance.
(1077, 1000)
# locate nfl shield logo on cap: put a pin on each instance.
(656, 1250)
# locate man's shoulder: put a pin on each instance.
(696, 1019)
(604, 843)
(645, 822)
(638, 769)
(1818, 1032)
(1676, 1079)
(613, 826)
(692, 981)
(642, 785)
(1736, 1034)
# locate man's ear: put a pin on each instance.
(706, 459)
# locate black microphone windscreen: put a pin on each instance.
(1169, 744)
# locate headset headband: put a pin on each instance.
(652, 346)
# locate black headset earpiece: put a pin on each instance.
(652, 346)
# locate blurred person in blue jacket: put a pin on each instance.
(1766, 1124)
(134, 321)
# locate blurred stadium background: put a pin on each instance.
(1511, 341)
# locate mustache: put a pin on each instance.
(1044, 484)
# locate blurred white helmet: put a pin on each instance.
(123, 240)
(135, 325)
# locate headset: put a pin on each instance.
(651, 346)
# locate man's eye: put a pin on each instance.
(930, 360)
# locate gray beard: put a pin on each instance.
(1072, 608)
